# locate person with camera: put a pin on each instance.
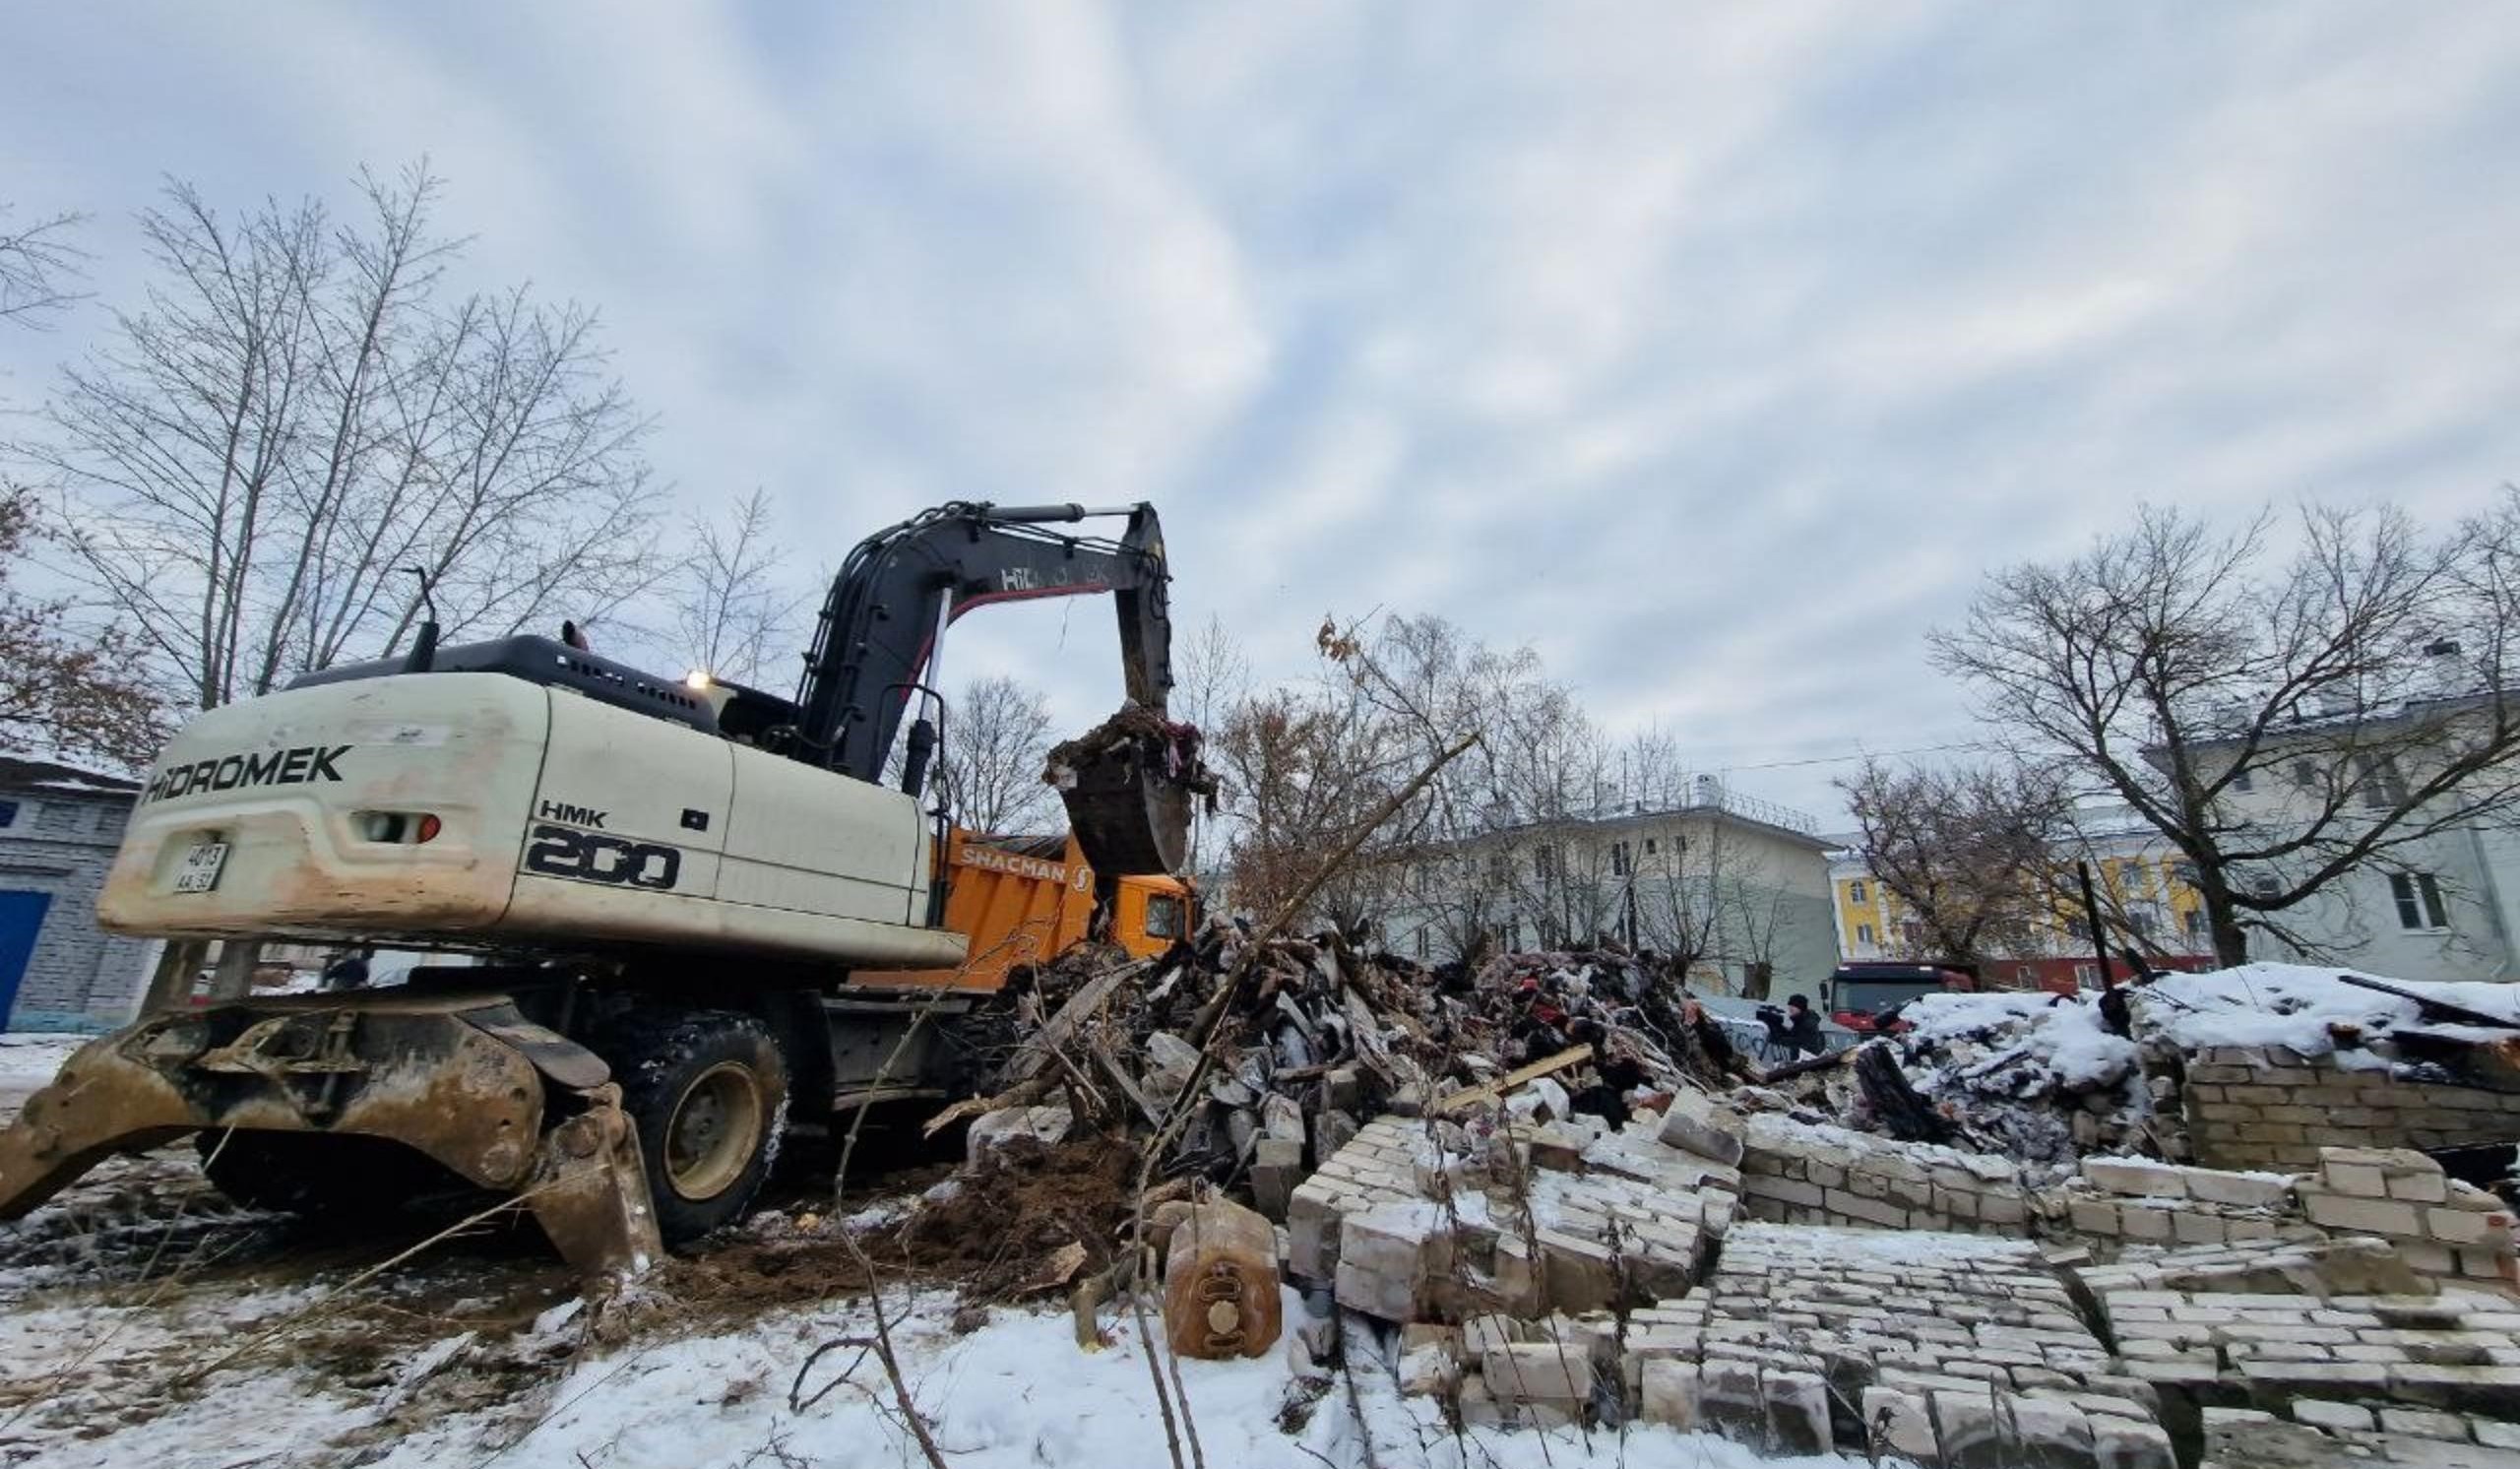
(1796, 1029)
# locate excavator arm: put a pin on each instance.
(882, 630)
(881, 642)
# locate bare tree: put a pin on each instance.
(295, 414)
(1212, 679)
(1486, 847)
(1304, 767)
(37, 262)
(62, 689)
(997, 736)
(732, 614)
(1970, 851)
(2282, 719)
(1761, 915)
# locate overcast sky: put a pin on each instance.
(1714, 351)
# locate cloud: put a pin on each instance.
(1715, 354)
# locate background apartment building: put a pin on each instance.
(1733, 888)
(2444, 906)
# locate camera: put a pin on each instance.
(1771, 1012)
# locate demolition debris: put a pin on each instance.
(1558, 1196)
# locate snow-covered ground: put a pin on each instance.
(28, 1059)
(1018, 1390)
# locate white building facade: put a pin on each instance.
(1737, 887)
(2444, 906)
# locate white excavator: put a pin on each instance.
(671, 907)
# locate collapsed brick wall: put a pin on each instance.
(2272, 1108)
(1793, 1172)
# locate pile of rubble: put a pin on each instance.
(2114, 1203)
(1557, 1196)
(1935, 1349)
(1256, 1061)
(1441, 1221)
(1544, 1270)
(1814, 1174)
(2035, 1076)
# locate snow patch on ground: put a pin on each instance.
(28, 1058)
(1018, 1391)
(2295, 1005)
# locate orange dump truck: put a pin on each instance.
(1022, 899)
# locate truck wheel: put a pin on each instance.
(318, 1174)
(708, 1092)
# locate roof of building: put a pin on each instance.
(28, 773)
(2301, 726)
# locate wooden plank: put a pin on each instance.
(1489, 1090)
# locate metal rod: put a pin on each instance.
(1056, 513)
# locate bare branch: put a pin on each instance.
(37, 262)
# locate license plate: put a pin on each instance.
(200, 872)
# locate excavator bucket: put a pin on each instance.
(467, 1081)
(1127, 785)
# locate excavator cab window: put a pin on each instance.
(1164, 917)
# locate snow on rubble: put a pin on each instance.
(2064, 1036)
(2300, 1006)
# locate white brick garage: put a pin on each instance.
(58, 830)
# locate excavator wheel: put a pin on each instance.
(320, 1176)
(708, 1092)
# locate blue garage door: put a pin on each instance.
(21, 920)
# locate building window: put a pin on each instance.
(2086, 975)
(2192, 923)
(2383, 787)
(1421, 940)
(1864, 934)
(2418, 897)
(1854, 892)
(8, 813)
(55, 815)
(2305, 775)
(1649, 846)
(2243, 781)
(1618, 858)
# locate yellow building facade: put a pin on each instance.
(2146, 888)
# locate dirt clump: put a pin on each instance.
(998, 1228)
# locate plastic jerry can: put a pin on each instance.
(1221, 1283)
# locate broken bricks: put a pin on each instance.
(1521, 1221)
